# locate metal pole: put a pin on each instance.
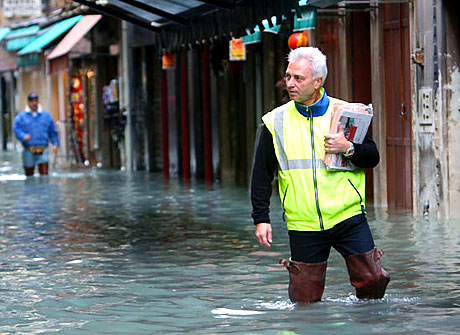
(184, 119)
(128, 164)
(207, 116)
(165, 123)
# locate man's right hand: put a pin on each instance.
(27, 137)
(264, 234)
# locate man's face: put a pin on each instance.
(33, 104)
(300, 83)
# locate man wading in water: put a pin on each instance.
(35, 128)
(323, 209)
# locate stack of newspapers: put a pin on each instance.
(355, 119)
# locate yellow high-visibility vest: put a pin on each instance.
(313, 198)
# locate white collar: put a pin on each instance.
(28, 110)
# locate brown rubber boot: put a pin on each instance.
(29, 171)
(367, 274)
(306, 280)
(43, 169)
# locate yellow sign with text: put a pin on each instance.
(237, 49)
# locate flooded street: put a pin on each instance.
(107, 252)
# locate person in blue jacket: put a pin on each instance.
(35, 128)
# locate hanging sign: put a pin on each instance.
(237, 49)
(168, 61)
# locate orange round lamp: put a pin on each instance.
(298, 40)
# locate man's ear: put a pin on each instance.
(318, 82)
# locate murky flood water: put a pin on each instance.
(106, 252)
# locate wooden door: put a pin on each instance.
(328, 43)
(397, 106)
(360, 57)
(360, 65)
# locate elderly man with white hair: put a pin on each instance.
(322, 208)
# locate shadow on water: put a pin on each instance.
(106, 252)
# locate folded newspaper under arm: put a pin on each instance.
(355, 119)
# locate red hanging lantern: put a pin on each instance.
(298, 40)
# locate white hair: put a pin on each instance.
(316, 58)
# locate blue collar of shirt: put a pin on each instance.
(317, 109)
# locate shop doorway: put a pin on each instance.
(398, 106)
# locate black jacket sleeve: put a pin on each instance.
(366, 154)
(263, 171)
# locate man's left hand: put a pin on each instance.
(55, 149)
(336, 143)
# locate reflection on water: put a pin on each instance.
(106, 252)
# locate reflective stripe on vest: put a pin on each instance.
(292, 164)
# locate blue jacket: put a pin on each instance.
(40, 127)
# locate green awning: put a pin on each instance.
(50, 35)
(28, 60)
(252, 38)
(24, 31)
(257, 35)
(307, 21)
(4, 32)
(17, 39)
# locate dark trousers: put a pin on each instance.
(348, 237)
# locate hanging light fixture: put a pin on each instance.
(297, 40)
